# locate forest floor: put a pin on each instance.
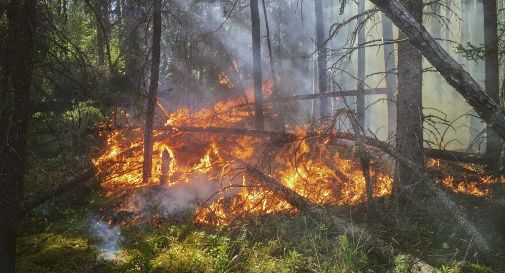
(64, 241)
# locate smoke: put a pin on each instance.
(215, 32)
(176, 199)
(108, 239)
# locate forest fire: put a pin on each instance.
(320, 174)
(323, 177)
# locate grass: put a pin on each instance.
(275, 243)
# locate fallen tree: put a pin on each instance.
(456, 156)
(455, 75)
(61, 187)
(334, 94)
(377, 246)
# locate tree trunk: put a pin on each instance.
(360, 99)
(492, 81)
(321, 57)
(390, 69)
(256, 50)
(153, 89)
(14, 122)
(409, 137)
(130, 48)
(487, 108)
(276, 91)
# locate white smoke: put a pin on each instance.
(108, 239)
(178, 198)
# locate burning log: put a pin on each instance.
(287, 194)
(378, 246)
(165, 166)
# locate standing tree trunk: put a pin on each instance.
(360, 99)
(409, 136)
(14, 116)
(131, 48)
(493, 141)
(276, 91)
(390, 69)
(153, 89)
(321, 57)
(256, 50)
(487, 108)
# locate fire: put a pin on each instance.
(322, 175)
(477, 184)
(224, 80)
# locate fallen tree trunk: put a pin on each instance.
(377, 246)
(456, 156)
(426, 177)
(456, 76)
(433, 153)
(59, 188)
(343, 93)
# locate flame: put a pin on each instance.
(476, 184)
(224, 80)
(322, 176)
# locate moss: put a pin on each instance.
(50, 252)
(184, 259)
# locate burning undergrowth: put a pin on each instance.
(200, 158)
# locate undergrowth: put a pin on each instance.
(276, 243)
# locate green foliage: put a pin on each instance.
(49, 252)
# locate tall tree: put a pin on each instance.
(131, 47)
(360, 100)
(256, 50)
(390, 69)
(14, 116)
(487, 108)
(409, 135)
(153, 90)
(492, 81)
(276, 91)
(321, 57)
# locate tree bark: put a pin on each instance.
(131, 48)
(409, 136)
(276, 91)
(256, 50)
(153, 89)
(390, 69)
(492, 81)
(487, 108)
(321, 57)
(360, 99)
(14, 117)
